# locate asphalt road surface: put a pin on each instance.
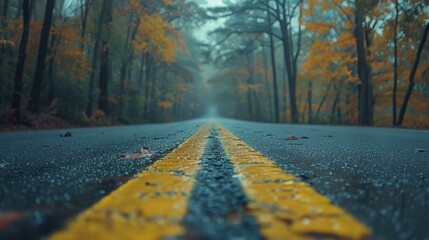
(379, 176)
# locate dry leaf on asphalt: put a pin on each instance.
(144, 153)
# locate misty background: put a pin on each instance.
(94, 62)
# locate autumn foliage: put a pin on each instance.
(347, 68)
(140, 45)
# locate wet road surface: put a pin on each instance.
(380, 176)
(49, 178)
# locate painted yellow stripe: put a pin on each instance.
(151, 206)
(286, 208)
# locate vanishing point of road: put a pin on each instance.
(215, 179)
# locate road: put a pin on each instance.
(364, 182)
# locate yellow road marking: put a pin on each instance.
(151, 206)
(283, 207)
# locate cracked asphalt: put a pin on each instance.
(379, 175)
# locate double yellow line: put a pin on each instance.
(153, 205)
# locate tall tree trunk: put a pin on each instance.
(363, 71)
(274, 70)
(368, 41)
(19, 72)
(95, 56)
(323, 101)
(395, 65)
(310, 102)
(284, 95)
(123, 71)
(249, 83)
(104, 78)
(33, 105)
(412, 76)
(153, 95)
(84, 12)
(103, 100)
(3, 37)
(141, 72)
(335, 103)
(149, 66)
(5, 12)
(53, 47)
(270, 101)
(126, 63)
(288, 55)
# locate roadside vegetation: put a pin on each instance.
(106, 62)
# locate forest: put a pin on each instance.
(105, 62)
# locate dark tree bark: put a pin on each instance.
(249, 82)
(3, 24)
(127, 63)
(141, 72)
(84, 12)
(310, 102)
(335, 103)
(290, 57)
(411, 82)
(323, 101)
(103, 100)
(53, 46)
(274, 70)
(284, 95)
(363, 70)
(152, 111)
(94, 64)
(149, 67)
(4, 13)
(270, 101)
(33, 105)
(395, 65)
(19, 73)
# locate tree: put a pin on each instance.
(106, 20)
(19, 72)
(33, 104)
(395, 64)
(412, 76)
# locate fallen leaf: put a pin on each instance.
(144, 153)
(7, 218)
(292, 138)
(418, 150)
